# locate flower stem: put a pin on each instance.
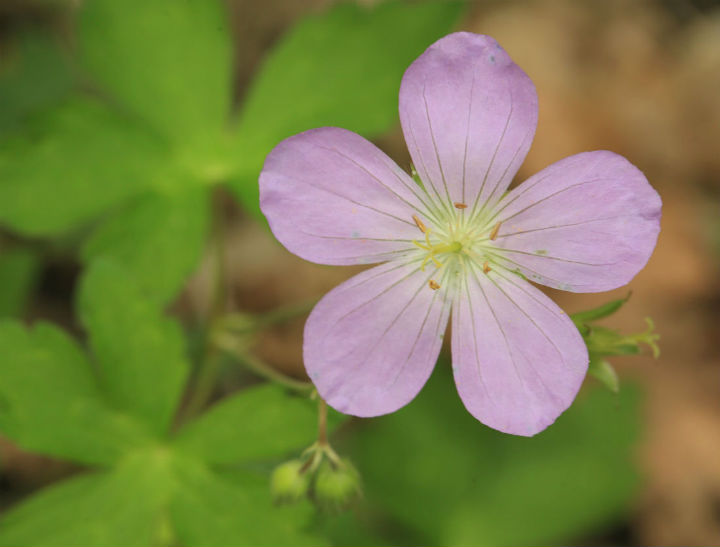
(207, 372)
(322, 422)
(238, 322)
(229, 344)
(321, 449)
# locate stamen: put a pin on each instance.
(419, 224)
(434, 285)
(486, 266)
(433, 250)
(494, 232)
(459, 205)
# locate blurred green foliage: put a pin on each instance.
(433, 475)
(131, 159)
(34, 74)
(19, 271)
(120, 147)
(153, 484)
(348, 75)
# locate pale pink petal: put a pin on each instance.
(469, 115)
(371, 343)
(332, 197)
(587, 223)
(518, 359)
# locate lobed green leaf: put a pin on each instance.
(158, 238)
(124, 506)
(72, 164)
(169, 61)
(50, 402)
(257, 423)
(140, 353)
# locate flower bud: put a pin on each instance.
(336, 485)
(289, 482)
(604, 371)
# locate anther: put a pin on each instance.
(419, 224)
(494, 232)
(486, 267)
(434, 285)
(459, 205)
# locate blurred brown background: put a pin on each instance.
(639, 77)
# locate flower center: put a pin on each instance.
(459, 240)
(435, 249)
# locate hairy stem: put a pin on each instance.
(243, 323)
(229, 344)
(322, 422)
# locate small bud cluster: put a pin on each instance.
(603, 342)
(331, 482)
(289, 482)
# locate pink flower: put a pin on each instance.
(456, 240)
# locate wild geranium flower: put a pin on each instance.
(454, 239)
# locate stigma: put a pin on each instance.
(433, 249)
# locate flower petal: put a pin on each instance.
(587, 223)
(332, 197)
(469, 115)
(518, 359)
(372, 342)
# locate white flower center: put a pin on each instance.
(456, 239)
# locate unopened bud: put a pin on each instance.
(604, 371)
(289, 482)
(337, 485)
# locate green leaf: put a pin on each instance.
(168, 60)
(49, 400)
(71, 165)
(120, 507)
(140, 354)
(600, 312)
(155, 497)
(341, 68)
(33, 76)
(210, 510)
(348, 528)
(158, 238)
(604, 371)
(453, 481)
(19, 269)
(260, 422)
